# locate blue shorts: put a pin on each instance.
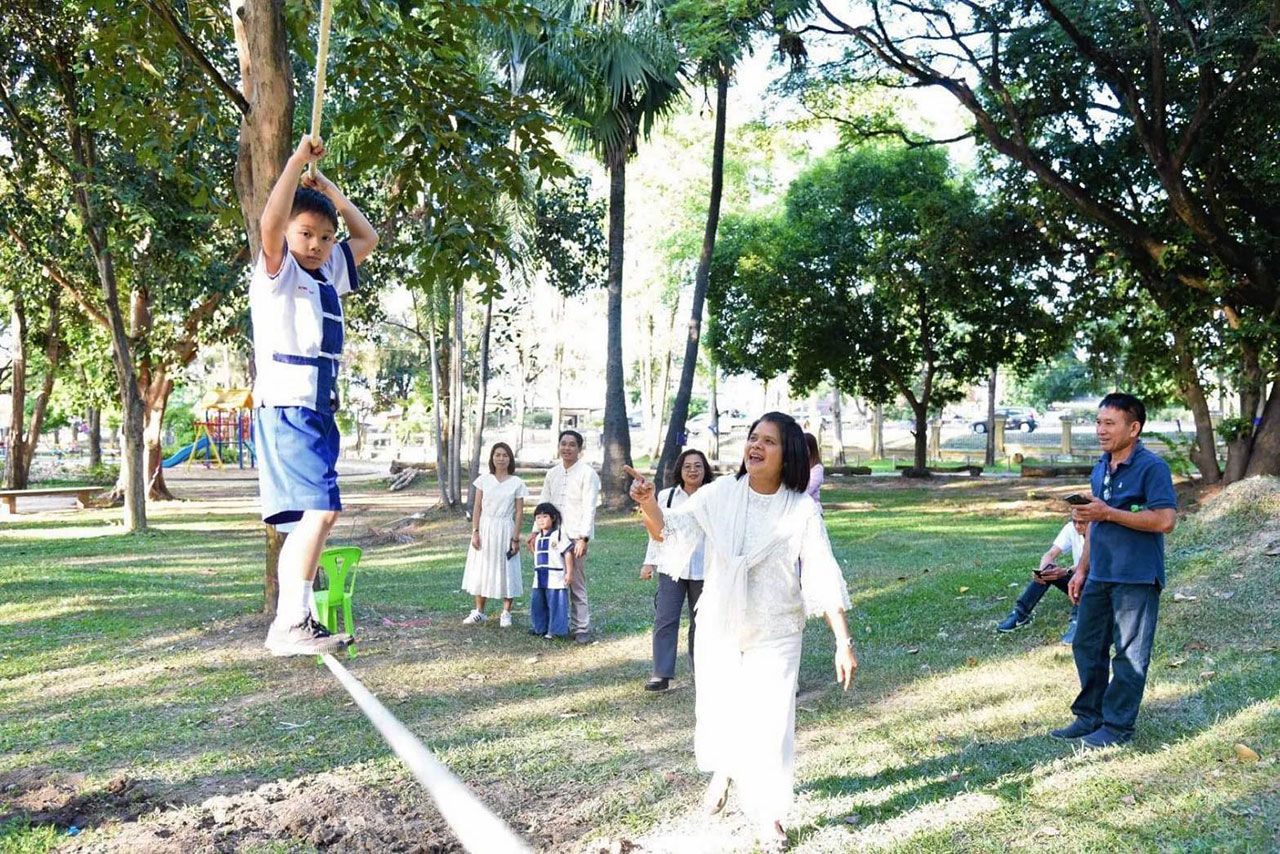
(297, 458)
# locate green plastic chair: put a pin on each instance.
(339, 566)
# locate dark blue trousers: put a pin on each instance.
(1035, 591)
(549, 611)
(1123, 616)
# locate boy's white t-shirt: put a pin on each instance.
(548, 554)
(289, 311)
(1070, 540)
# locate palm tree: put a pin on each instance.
(715, 36)
(612, 70)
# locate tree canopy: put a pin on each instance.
(888, 273)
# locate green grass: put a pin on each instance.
(139, 655)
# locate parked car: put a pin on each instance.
(1016, 418)
(730, 420)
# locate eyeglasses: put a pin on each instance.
(1106, 485)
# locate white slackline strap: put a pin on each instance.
(476, 827)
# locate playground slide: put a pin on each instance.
(182, 454)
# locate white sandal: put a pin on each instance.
(717, 794)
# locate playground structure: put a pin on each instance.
(227, 424)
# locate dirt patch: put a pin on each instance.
(325, 812)
(44, 797)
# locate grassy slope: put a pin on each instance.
(140, 656)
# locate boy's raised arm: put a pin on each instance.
(361, 235)
(275, 216)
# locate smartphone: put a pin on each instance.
(1078, 499)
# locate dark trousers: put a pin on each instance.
(1035, 591)
(668, 602)
(1123, 615)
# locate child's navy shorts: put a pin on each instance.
(297, 458)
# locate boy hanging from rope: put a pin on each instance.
(297, 346)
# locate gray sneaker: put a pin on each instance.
(306, 638)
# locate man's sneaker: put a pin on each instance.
(504, 620)
(582, 637)
(306, 638)
(1103, 737)
(1014, 621)
(657, 683)
(473, 618)
(1069, 636)
(1077, 729)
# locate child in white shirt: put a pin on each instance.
(552, 574)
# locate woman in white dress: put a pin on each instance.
(758, 527)
(493, 561)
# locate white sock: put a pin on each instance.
(309, 598)
(289, 607)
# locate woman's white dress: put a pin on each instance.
(750, 623)
(489, 572)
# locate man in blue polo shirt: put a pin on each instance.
(1118, 581)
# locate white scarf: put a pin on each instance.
(722, 516)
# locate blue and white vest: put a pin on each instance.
(297, 330)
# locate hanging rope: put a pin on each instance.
(322, 60)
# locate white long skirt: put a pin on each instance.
(489, 572)
(746, 718)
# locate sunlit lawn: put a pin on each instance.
(141, 656)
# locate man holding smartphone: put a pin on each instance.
(1070, 540)
(1117, 582)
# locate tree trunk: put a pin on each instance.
(155, 396)
(617, 433)
(989, 458)
(877, 431)
(94, 419)
(437, 404)
(522, 397)
(132, 482)
(1204, 453)
(1265, 457)
(266, 131)
(1240, 445)
(713, 425)
(477, 439)
(920, 468)
(647, 375)
(455, 402)
(15, 473)
(52, 361)
(658, 427)
(837, 428)
(684, 392)
(266, 138)
(132, 485)
(271, 580)
(557, 413)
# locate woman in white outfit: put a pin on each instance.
(493, 561)
(677, 582)
(758, 527)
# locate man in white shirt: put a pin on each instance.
(1070, 539)
(574, 488)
